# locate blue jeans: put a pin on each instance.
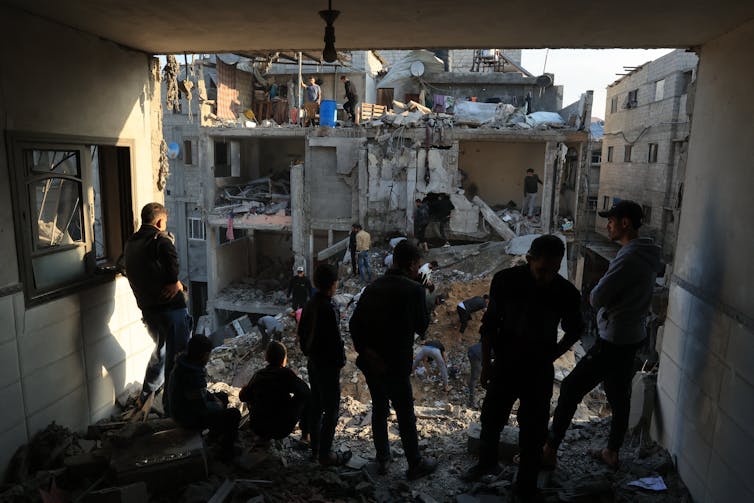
(170, 331)
(364, 266)
(396, 389)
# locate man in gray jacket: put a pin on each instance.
(622, 298)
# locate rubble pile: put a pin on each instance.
(263, 196)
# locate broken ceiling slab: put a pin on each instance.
(495, 222)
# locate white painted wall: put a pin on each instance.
(67, 359)
(706, 381)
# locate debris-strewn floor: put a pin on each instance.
(68, 467)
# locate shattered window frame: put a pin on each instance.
(188, 154)
(659, 89)
(610, 153)
(613, 104)
(652, 153)
(81, 256)
(197, 230)
(627, 153)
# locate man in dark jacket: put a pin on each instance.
(299, 289)
(192, 406)
(439, 214)
(276, 397)
(352, 99)
(152, 268)
(320, 340)
(530, 193)
(622, 297)
(390, 311)
(469, 306)
(527, 303)
(421, 220)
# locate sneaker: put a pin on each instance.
(479, 470)
(446, 245)
(421, 469)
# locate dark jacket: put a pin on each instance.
(300, 288)
(319, 332)
(521, 321)
(275, 396)
(441, 209)
(187, 394)
(474, 304)
(151, 264)
(530, 184)
(421, 215)
(350, 91)
(352, 241)
(390, 311)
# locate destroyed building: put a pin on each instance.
(262, 198)
(70, 346)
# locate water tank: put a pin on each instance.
(328, 111)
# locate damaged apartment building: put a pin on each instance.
(255, 197)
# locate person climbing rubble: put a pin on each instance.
(421, 220)
(432, 355)
(622, 297)
(299, 289)
(527, 304)
(320, 340)
(385, 348)
(469, 306)
(193, 406)
(276, 397)
(270, 328)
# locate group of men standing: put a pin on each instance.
(525, 306)
(313, 100)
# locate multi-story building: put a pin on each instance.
(645, 143)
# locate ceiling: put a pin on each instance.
(172, 26)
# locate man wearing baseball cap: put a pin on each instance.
(299, 289)
(622, 298)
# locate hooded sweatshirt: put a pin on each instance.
(623, 295)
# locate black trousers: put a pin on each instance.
(384, 389)
(354, 263)
(324, 407)
(283, 422)
(463, 317)
(531, 383)
(350, 107)
(611, 364)
(224, 424)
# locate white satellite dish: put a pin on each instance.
(417, 69)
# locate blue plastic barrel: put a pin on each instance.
(328, 110)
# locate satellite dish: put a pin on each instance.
(417, 69)
(173, 150)
(544, 80)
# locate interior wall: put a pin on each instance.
(706, 380)
(277, 155)
(497, 169)
(67, 359)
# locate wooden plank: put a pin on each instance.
(495, 222)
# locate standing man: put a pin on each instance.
(385, 344)
(313, 99)
(469, 306)
(352, 247)
(351, 106)
(475, 364)
(530, 192)
(421, 220)
(320, 340)
(622, 298)
(299, 289)
(363, 244)
(152, 269)
(440, 212)
(527, 303)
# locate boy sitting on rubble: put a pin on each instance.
(276, 397)
(192, 406)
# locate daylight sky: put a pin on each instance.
(579, 70)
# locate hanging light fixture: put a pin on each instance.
(329, 54)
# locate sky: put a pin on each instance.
(580, 70)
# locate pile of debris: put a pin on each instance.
(263, 196)
(467, 114)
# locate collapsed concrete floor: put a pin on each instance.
(62, 466)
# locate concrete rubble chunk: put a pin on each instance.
(495, 222)
(507, 446)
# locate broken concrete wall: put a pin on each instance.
(67, 359)
(388, 172)
(495, 170)
(705, 413)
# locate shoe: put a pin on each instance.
(383, 466)
(421, 469)
(479, 470)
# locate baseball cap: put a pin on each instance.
(299, 269)
(625, 209)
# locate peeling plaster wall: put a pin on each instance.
(67, 359)
(497, 169)
(705, 413)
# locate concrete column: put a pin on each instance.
(235, 158)
(300, 219)
(549, 184)
(363, 185)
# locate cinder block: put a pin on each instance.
(47, 385)
(740, 354)
(9, 371)
(13, 406)
(735, 445)
(44, 347)
(723, 484)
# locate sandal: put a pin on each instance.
(597, 455)
(341, 458)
